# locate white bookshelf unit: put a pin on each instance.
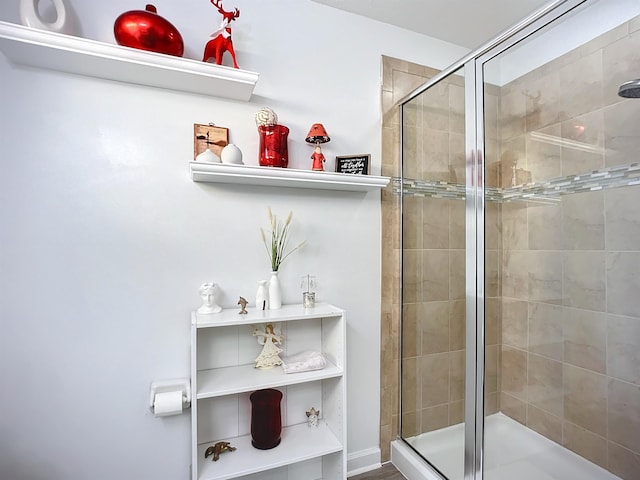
(223, 375)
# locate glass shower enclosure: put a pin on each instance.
(521, 254)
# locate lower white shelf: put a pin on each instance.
(299, 443)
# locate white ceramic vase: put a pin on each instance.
(231, 154)
(207, 157)
(262, 296)
(30, 16)
(275, 294)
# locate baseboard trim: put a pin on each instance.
(363, 461)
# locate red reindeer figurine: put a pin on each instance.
(221, 41)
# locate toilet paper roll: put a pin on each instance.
(167, 403)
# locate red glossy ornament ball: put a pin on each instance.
(146, 30)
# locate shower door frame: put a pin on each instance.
(475, 220)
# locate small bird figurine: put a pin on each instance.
(243, 304)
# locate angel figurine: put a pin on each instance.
(312, 417)
(268, 358)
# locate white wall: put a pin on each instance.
(104, 239)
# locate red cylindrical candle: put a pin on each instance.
(266, 422)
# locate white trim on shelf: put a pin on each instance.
(283, 177)
(66, 53)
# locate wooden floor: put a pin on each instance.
(387, 472)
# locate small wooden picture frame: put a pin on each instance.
(209, 136)
(354, 164)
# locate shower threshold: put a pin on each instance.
(511, 451)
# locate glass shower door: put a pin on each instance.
(433, 263)
(562, 314)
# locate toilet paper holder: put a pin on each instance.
(164, 386)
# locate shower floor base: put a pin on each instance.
(511, 451)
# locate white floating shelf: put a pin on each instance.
(299, 443)
(65, 53)
(283, 177)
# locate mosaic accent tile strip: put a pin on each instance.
(421, 188)
(613, 177)
(547, 191)
(440, 189)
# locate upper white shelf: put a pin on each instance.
(283, 177)
(285, 314)
(56, 51)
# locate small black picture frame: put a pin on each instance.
(354, 164)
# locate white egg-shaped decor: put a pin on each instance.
(208, 157)
(231, 154)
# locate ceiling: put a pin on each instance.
(467, 23)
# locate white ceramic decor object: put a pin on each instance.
(209, 305)
(208, 157)
(231, 154)
(262, 296)
(30, 16)
(275, 294)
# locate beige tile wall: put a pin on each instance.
(570, 338)
(398, 79)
